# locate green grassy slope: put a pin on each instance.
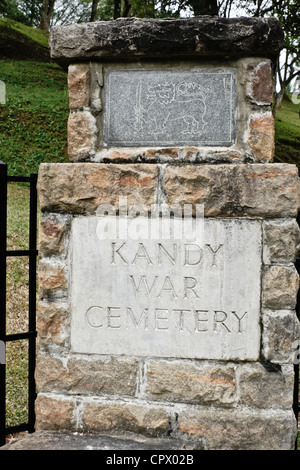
(287, 128)
(33, 122)
(34, 34)
(18, 41)
(37, 35)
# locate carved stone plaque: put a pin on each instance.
(164, 107)
(167, 297)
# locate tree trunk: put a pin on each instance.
(46, 13)
(277, 101)
(117, 9)
(204, 7)
(127, 8)
(94, 10)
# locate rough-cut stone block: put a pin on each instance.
(51, 278)
(266, 386)
(96, 84)
(94, 376)
(52, 324)
(187, 382)
(78, 83)
(280, 285)
(280, 338)
(260, 83)
(54, 413)
(240, 429)
(82, 187)
(262, 190)
(53, 232)
(281, 241)
(145, 419)
(82, 135)
(185, 37)
(261, 137)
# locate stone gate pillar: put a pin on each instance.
(167, 284)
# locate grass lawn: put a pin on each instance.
(287, 133)
(33, 122)
(17, 304)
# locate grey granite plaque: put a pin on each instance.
(168, 107)
(167, 297)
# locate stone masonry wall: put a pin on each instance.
(207, 403)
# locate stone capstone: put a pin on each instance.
(135, 38)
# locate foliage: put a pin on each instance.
(79, 11)
(164, 8)
(24, 11)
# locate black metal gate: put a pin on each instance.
(30, 335)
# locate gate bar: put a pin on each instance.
(32, 301)
(296, 403)
(18, 336)
(21, 252)
(3, 227)
(18, 179)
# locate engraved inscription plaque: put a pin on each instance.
(164, 107)
(167, 297)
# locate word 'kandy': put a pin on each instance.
(191, 254)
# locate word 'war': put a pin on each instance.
(164, 319)
(164, 286)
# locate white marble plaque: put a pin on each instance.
(170, 107)
(167, 297)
